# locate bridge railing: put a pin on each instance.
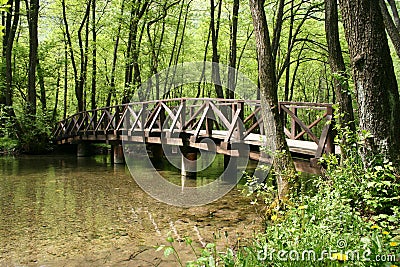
(318, 128)
(230, 120)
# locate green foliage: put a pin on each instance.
(372, 189)
(8, 142)
(28, 134)
(353, 218)
(35, 135)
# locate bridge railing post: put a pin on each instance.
(116, 120)
(183, 114)
(293, 125)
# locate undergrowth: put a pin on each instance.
(351, 219)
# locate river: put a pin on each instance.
(60, 210)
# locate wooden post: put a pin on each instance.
(293, 127)
(189, 164)
(330, 139)
(230, 174)
(118, 154)
(157, 151)
(83, 150)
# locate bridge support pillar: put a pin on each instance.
(230, 169)
(189, 164)
(118, 154)
(83, 150)
(157, 151)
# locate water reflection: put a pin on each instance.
(60, 210)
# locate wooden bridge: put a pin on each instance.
(186, 122)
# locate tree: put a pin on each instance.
(391, 28)
(214, 28)
(374, 79)
(94, 55)
(283, 163)
(33, 16)
(336, 62)
(230, 92)
(8, 43)
(133, 78)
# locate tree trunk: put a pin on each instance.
(273, 123)
(289, 44)
(155, 50)
(203, 70)
(216, 78)
(336, 62)
(94, 56)
(9, 37)
(391, 28)
(33, 12)
(58, 82)
(111, 92)
(166, 89)
(375, 80)
(42, 87)
(132, 70)
(230, 91)
(83, 48)
(79, 96)
(395, 13)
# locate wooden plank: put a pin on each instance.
(252, 115)
(233, 126)
(175, 121)
(323, 139)
(219, 114)
(193, 117)
(200, 123)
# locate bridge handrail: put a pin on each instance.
(204, 111)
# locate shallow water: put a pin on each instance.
(68, 211)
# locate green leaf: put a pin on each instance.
(168, 251)
(210, 245)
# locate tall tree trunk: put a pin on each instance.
(273, 123)
(132, 69)
(374, 78)
(336, 62)
(202, 76)
(289, 44)
(166, 89)
(79, 97)
(65, 77)
(391, 28)
(42, 87)
(155, 51)
(178, 52)
(9, 37)
(83, 48)
(230, 91)
(216, 78)
(111, 92)
(94, 55)
(58, 83)
(395, 13)
(33, 14)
